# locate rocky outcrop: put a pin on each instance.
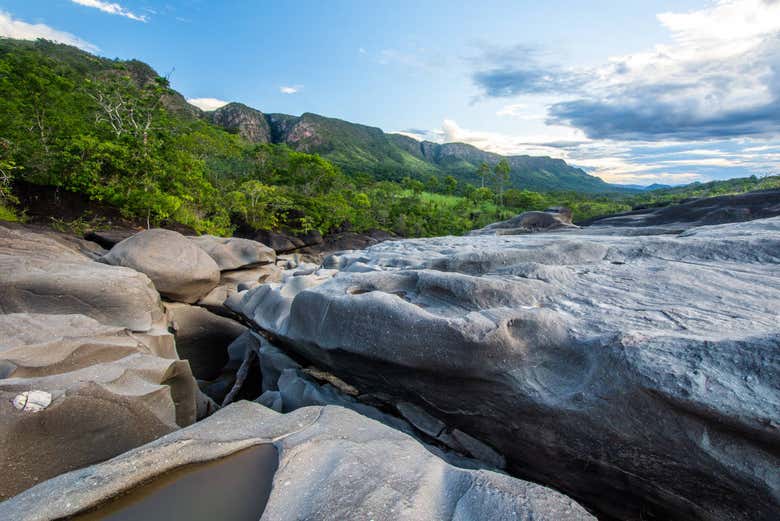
(333, 464)
(100, 390)
(41, 275)
(699, 212)
(88, 368)
(244, 121)
(179, 269)
(232, 253)
(558, 218)
(638, 374)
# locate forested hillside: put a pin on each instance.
(115, 132)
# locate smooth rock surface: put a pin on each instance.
(639, 374)
(231, 253)
(557, 218)
(179, 269)
(333, 465)
(700, 212)
(109, 390)
(41, 275)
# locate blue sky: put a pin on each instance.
(635, 92)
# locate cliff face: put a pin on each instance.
(249, 123)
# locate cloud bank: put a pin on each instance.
(718, 79)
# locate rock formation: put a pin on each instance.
(558, 218)
(639, 374)
(232, 253)
(333, 464)
(179, 269)
(699, 212)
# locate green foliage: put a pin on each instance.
(116, 132)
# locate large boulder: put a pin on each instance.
(232, 253)
(556, 218)
(638, 374)
(180, 270)
(698, 212)
(41, 275)
(74, 392)
(318, 463)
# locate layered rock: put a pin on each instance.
(639, 374)
(99, 390)
(41, 275)
(333, 464)
(179, 269)
(88, 368)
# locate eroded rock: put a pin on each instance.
(179, 269)
(231, 253)
(639, 374)
(203, 338)
(333, 464)
(557, 218)
(41, 275)
(74, 392)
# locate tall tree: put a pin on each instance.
(502, 176)
(484, 171)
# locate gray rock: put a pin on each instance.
(41, 275)
(232, 253)
(557, 218)
(422, 420)
(203, 338)
(637, 373)
(333, 464)
(110, 391)
(698, 212)
(179, 269)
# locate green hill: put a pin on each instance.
(359, 148)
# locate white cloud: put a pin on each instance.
(290, 89)
(12, 28)
(207, 104)
(520, 111)
(111, 8)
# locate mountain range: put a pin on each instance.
(361, 148)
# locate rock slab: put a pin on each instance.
(333, 464)
(638, 374)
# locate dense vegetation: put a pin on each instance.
(117, 133)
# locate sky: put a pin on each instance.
(634, 92)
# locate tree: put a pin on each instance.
(413, 185)
(484, 171)
(481, 195)
(432, 184)
(450, 185)
(502, 176)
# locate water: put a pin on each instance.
(234, 488)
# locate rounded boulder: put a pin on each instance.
(179, 269)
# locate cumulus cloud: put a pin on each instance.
(111, 8)
(290, 89)
(13, 28)
(207, 104)
(718, 79)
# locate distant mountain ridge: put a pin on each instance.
(361, 148)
